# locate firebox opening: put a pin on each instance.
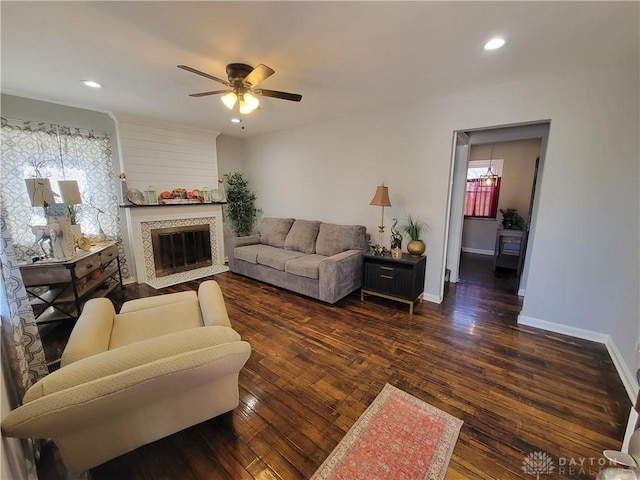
(178, 249)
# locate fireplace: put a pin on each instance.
(178, 249)
(188, 218)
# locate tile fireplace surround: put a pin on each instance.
(143, 220)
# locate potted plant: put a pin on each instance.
(511, 220)
(415, 225)
(241, 204)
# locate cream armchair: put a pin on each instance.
(161, 365)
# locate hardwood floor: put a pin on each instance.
(315, 368)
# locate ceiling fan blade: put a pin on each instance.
(206, 75)
(258, 74)
(204, 94)
(294, 97)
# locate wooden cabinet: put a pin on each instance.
(58, 289)
(399, 279)
(509, 249)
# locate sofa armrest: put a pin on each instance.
(92, 331)
(234, 242)
(340, 275)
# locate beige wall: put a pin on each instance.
(519, 157)
(329, 170)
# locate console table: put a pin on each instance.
(59, 288)
(399, 279)
(509, 250)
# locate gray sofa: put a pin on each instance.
(316, 259)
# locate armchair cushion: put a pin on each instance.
(137, 325)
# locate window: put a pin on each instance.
(31, 149)
(481, 196)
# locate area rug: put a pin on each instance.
(398, 437)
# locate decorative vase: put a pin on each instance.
(416, 248)
(396, 253)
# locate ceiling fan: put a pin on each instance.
(243, 80)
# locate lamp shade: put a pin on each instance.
(229, 100)
(39, 190)
(381, 197)
(70, 192)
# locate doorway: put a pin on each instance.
(471, 241)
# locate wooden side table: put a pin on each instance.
(400, 279)
(58, 289)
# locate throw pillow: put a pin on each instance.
(334, 239)
(302, 236)
(273, 231)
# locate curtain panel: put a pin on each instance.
(481, 200)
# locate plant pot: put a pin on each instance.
(416, 248)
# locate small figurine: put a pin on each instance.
(396, 237)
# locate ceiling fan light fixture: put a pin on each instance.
(248, 103)
(229, 100)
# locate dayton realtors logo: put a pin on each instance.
(538, 463)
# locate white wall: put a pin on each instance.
(230, 154)
(584, 259)
(167, 156)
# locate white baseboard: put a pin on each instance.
(521, 292)
(129, 281)
(477, 250)
(564, 329)
(433, 298)
(627, 378)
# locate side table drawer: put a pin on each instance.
(108, 255)
(392, 279)
(86, 265)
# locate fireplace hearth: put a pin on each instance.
(181, 248)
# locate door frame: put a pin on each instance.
(455, 202)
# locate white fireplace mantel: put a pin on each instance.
(140, 220)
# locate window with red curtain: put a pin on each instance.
(481, 200)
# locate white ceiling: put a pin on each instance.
(343, 57)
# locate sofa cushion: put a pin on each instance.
(334, 239)
(276, 257)
(273, 231)
(307, 266)
(302, 236)
(249, 253)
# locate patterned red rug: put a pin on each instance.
(397, 437)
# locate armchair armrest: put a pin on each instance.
(91, 404)
(340, 274)
(212, 305)
(92, 331)
(118, 360)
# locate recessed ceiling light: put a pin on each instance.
(494, 43)
(236, 120)
(92, 84)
